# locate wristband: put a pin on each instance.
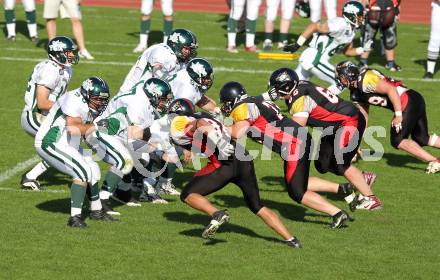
(301, 40)
(359, 50)
(398, 113)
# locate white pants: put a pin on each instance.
(308, 66)
(316, 8)
(237, 8)
(287, 7)
(29, 5)
(434, 39)
(30, 122)
(166, 5)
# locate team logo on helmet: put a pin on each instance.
(87, 85)
(176, 38)
(57, 46)
(350, 8)
(153, 88)
(199, 69)
(283, 77)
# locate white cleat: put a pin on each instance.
(168, 188)
(368, 203)
(84, 53)
(140, 48)
(433, 167)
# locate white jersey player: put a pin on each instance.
(330, 37)
(31, 19)
(58, 143)
(49, 80)
(162, 60)
(316, 8)
(434, 40)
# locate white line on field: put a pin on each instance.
(41, 191)
(218, 69)
(21, 166)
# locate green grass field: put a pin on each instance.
(163, 241)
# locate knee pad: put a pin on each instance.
(9, 4)
(390, 37)
(252, 9)
(128, 166)
(237, 9)
(146, 7)
(167, 7)
(271, 11)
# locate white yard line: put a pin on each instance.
(28, 191)
(19, 167)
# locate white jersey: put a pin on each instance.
(340, 34)
(126, 109)
(184, 87)
(53, 129)
(159, 54)
(51, 75)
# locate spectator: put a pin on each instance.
(383, 15)
(434, 40)
(287, 7)
(146, 9)
(67, 9)
(29, 8)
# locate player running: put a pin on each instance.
(371, 87)
(48, 82)
(263, 122)
(58, 143)
(342, 123)
(204, 134)
(329, 37)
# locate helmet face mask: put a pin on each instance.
(63, 51)
(183, 43)
(159, 94)
(181, 107)
(347, 74)
(96, 93)
(201, 73)
(354, 12)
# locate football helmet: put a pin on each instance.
(353, 12)
(183, 43)
(201, 73)
(159, 93)
(63, 50)
(181, 107)
(282, 82)
(230, 94)
(302, 7)
(96, 93)
(347, 74)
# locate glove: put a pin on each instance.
(225, 148)
(292, 47)
(102, 125)
(217, 114)
(272, 93)
(368, 45)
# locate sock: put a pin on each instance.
(250, 40)
(77, 194)
(38, 169)
(232, 25)
(111, 181)
(9, 16)
(143, 39)
(31, 17)
(268, 36)
(283, 37)
(430, 65)
(167, 27)
(32, 28)
(390, 63)
(251, 26)
(145, 26)
(11, 29)
(93, 195)
(231, 39)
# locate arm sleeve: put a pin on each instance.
(336, 26)
(299, 108)
(70, 105)
(370, 81)
(48, 76)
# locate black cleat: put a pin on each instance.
(346, 190)
(30, 184)
(393, 67)
(35, 40)
(428, 76)
(219, 218)
(107, 207)
(339, 219)
(294, 242)
(125, 197)
(101, 215)
(76, 222)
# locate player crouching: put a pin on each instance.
(58, 143)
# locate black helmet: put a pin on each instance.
(181, 107)
(96, 93)
(230, 94)
(347, 74)
(58, 48)
(282, 82)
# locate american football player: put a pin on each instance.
(204, 134)
(163, 60)
(146, 9)
(329, 37)
(434, 40)
(237, 8)
(263, 122)
(316, 7)
(48, 81)
(58, 143)
(342, 123)
(31, 19)
(381, 14)
(287, 7)
(371, 87)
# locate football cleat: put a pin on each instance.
(282, 44)
(294, 242)
(433, 167)
(11, 38)
(167, 188)
(125, 197)
(107, 207)
(267, 44)
(291, 48)
(30, 184)
(339, 219)
(428, 76)
(140, 48)
(152, 198)
(232, 49)
(101, 215)
(219, 218)
(393, 67)
(251, 49)
(76, 222)
(84, 53)
(368, 203)
(369, 177)
(34, 40)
